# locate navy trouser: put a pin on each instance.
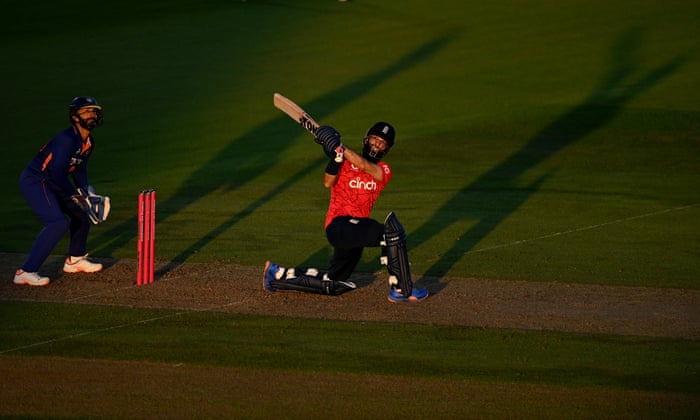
(52, 211)
(349, 236)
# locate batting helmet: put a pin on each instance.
(383, 130)
(82, 102)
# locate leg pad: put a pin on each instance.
(395, 255)
(312, 282)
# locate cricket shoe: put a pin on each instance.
(417, 295)
(32, 279)
(80, 265)
(270, 274)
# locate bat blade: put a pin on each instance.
(290, 108)
(295, 112)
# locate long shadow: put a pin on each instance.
(247, 157)
(497, 194)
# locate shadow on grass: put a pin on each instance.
(499, 193)
(243, 160)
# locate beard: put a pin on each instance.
(89, 123)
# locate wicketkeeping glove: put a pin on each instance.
(98, 206)
(81, 202)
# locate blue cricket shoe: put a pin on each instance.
(269, 275)
(417, 295)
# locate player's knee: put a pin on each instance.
(58, 227)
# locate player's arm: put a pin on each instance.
(329, 180)
(363, 164)
(329, 138)
(57, 167)
(80, 175)
(330, 176)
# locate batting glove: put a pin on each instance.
(329, 138)
(339, 153)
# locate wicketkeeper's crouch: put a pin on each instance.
(55, 185)
(356, 182)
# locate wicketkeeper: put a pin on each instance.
(356, 182)
(55, 184)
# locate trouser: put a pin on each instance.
(52, 211)
(349, 236)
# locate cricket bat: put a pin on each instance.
(296, 113)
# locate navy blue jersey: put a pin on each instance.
(65, 156)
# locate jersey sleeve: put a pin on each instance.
(386, 169)
(56, 170)
(80, 176)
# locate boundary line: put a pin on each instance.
(581, 229)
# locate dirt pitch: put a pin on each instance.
(454, 301)
(55, 386)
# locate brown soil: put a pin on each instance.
(454, 301)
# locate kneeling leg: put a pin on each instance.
(308, 280)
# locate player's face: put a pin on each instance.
(377, 144)
(88, 117)
(86, 113)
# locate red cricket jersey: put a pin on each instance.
(355, 192)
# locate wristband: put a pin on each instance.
(333, 167)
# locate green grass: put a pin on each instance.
(448, 353)
(540, 141)
(560, 138)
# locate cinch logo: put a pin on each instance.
(363, 185)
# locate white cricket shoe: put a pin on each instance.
(32, 279)
(80, 265)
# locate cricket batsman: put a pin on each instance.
(356, 181)
(55, 185)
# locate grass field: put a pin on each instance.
(536, 141)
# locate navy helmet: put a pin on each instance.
(82, 102)
(383, 130)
